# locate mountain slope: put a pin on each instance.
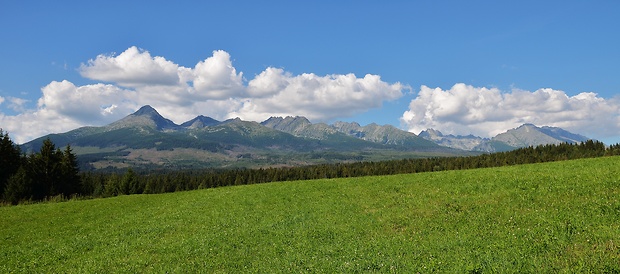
(531, 135)
(200, 122)
(383, 135)
(468, 142)
(563, 135)
(301, 127)
(386, 134)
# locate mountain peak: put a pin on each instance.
(200, 122)
(145, 116)
(468, 142)
(288, 124)
(430, 134)
(531, 135)
(146, 110)
(527, 127)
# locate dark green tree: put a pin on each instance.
(112, 186)
(70, 181)
(19, 187)
(130, 183)
(10, 159)
(47, 171)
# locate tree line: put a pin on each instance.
(52, 172)
(47, 173)
(148, 182)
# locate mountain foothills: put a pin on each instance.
(145, 139)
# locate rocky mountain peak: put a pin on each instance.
(146, 116)
(431, 134)
(525, 135)
(288, 124)
(469, 142)
(200, 122)
(146, 110)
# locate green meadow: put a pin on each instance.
(551, 217)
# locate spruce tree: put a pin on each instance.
(70, 182)
(47, 171)
(19, 187)
(10, 159)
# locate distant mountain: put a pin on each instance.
(301, 127)
(145, 116)
(531, 135)
(385, 135)
(469, 142)
(522, 136)
(148, 140)
(200, 122)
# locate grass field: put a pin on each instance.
(552, 217)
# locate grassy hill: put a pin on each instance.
(552, 217)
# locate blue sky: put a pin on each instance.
(462, 67)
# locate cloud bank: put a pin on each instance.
(486, 112)
(213, 87)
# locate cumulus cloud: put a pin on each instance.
(216, 78)
(134, 67)
(278, 93)
(33, 124)
(213, 87)
(96, 103)
(486, 112)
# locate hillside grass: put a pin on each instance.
(551, 217)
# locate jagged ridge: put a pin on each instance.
(385, 135)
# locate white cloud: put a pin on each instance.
(269, 82)
(213, 88)
(91, 104)
(134, 67)
(216, 78)
(465, 109)
(17, 104)
(321, 98)
(30, 125)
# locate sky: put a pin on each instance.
(461, 67)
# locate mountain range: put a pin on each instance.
(145, 139)
(522, 136)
